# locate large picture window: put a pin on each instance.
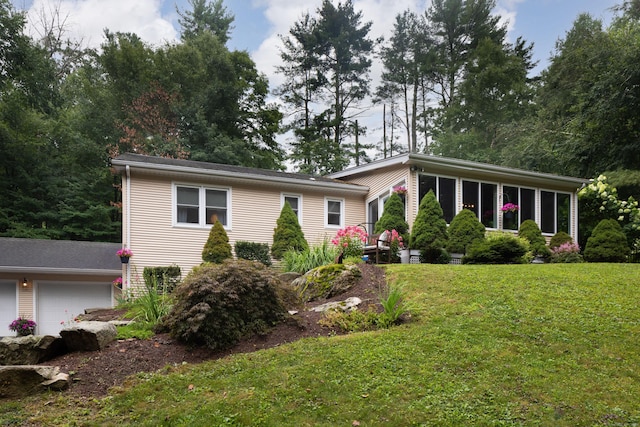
(445, 191)
(525, 198)
(481, 199)
(200, 206)
(556, 208)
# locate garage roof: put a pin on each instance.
(58, 256)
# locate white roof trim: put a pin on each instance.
(53, 270)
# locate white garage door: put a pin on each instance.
(60, 302)
(8, 310)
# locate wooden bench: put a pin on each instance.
(378, 248)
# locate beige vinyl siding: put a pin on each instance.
(254, 210)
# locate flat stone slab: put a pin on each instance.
(346, 305)
(88, 335)
(24, 380)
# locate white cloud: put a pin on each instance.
(86, 20)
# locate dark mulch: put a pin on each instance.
(95, 372)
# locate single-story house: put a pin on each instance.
(52, 281)
(169, 205)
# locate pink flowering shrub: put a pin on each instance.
(350, 240)
(566, 253)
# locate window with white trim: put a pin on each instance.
(444, 189)
(201, 206)
(555, 212)
(334, 212)
(481, 198)
(295, 201)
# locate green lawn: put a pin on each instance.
(488, 345)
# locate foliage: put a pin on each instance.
(205, 15)
(163, 279)
(216, 305)
(567, 252)
(394, 306)
(351, 320)
(599, 200)
(124, 253)
(497, 248)
(137, 329)
(463, 230)
(393, 217)
(607, 243)
(150, 306)
(288, 234)
(429, 232)
(253, 251)
(350, 240)
(217, 247)
(310, 258)
(558, 239)
(23, 326)
(537, 243)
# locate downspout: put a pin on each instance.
(128, 222)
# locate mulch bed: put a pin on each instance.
(93, 373)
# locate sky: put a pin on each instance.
(258, 23)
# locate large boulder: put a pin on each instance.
(326, 281)
(19, 381)
(30, 350)
(88, 335)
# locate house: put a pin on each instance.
(169, 205)
(52, 281)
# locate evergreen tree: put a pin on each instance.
(206, 16)
(217, 247)
(287, 234)
(607, 243)
(537, 243)
(429, 231)
(463, 230)
(393, 217)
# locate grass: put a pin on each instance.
(530, 345)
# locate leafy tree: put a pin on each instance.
(288, 234)
(393, 217)
(463, 230)
(607, 243)
(217, 247)
(206, 16)
(429, 232)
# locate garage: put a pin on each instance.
(8, 304)
(60, 302)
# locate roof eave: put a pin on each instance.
(62, 271)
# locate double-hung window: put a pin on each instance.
(295, 201)
(201, 206)
(334, 213)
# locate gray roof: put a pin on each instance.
(61, 256)
(235, 172)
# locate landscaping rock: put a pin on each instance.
(88, 335)
(20, 381)
(326, 281)
(30, 350)
(346, 305)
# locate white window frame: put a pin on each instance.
(202, 205)
(284, 196)
(555, 210)
(326, 212)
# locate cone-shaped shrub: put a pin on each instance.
(559, 239)
(217, 248)
(537, 243)
(393, 217)
(287, 234)
(429, 232)
(607, 243)
(464, 229)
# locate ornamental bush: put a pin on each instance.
(217, 248)
(567, 252)
(497, 248)
(559, 239)
(429, 232)
(162, 279)
(350, 240)
(537, 243)
(288, 234)
(253, 251)
(217, 304)
(393, 217)
(607, 243)
(464, 229)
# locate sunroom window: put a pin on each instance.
(556, 208)
(481, 199)
(445, 191)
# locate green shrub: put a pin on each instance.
(163, 279)
(301, 262)
(568, 252)
(217, 248)
(537, 243)
(497, 248)
(351, 321)
(253, 251)
(464, 229)
(216, 305)
(559, 239)
(287, 235)
(150, 306)
(607, 243)
(393, 217)
(429, 233)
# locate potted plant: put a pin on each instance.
(124, 254)
(509, 210)
(23, 327)
(117, 283)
